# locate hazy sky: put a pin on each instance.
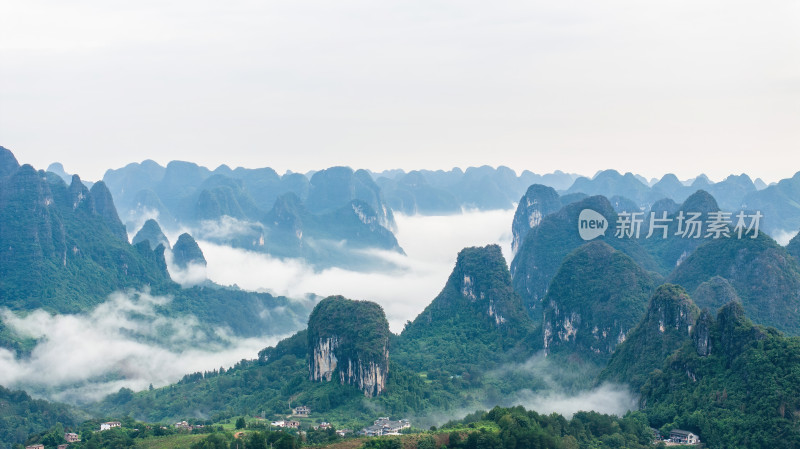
(578, 85)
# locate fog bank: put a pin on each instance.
(431, 244)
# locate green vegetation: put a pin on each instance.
(544, 248)
(21, 415)
(793, 247)
(736, 385)
(763, 274)
(516, 428)
(64, 250)
(357, 332)
(187, 252)
(476, 323)
(596, 298)
(58, 252)
(665, 327)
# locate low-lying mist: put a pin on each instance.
(551, 386)
(124, 342)
(431, 244)
(783, 236)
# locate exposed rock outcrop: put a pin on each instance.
(476, 316)
(667, 325)
(537, 202)
(701, 336)
(596, 298)
(349, 341)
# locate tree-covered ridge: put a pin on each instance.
(21, 415)
(516, 428)
(763, 274)
(476, 321)
(670, 316)
(277, 381)
(735, 384)
(61, 250)
(598, 295)
(60, 247)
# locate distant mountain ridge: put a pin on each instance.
(286, 216)
(64, 249)
(777, 202)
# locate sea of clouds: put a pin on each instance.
(431, 244)
(128, 342)
(123, 342)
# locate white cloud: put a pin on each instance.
(136, 219)
(124, 341)
(607, 398)
(226, 227)
(783, 237)
(192, 274)
(430, 242)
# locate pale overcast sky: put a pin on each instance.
(578, 85)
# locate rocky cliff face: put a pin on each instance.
(701, 336)
(596, 298)
(537, 202)
(349, 341)
(666, 326)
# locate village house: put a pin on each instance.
(324, 425)
(683, 437)
(343, 432)
(301, 411)
(35, 446)
(278, 423)
(109, 425)
(72, 437)
(62, 446)
(385, 426)
(183, 425)
(293, 424)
